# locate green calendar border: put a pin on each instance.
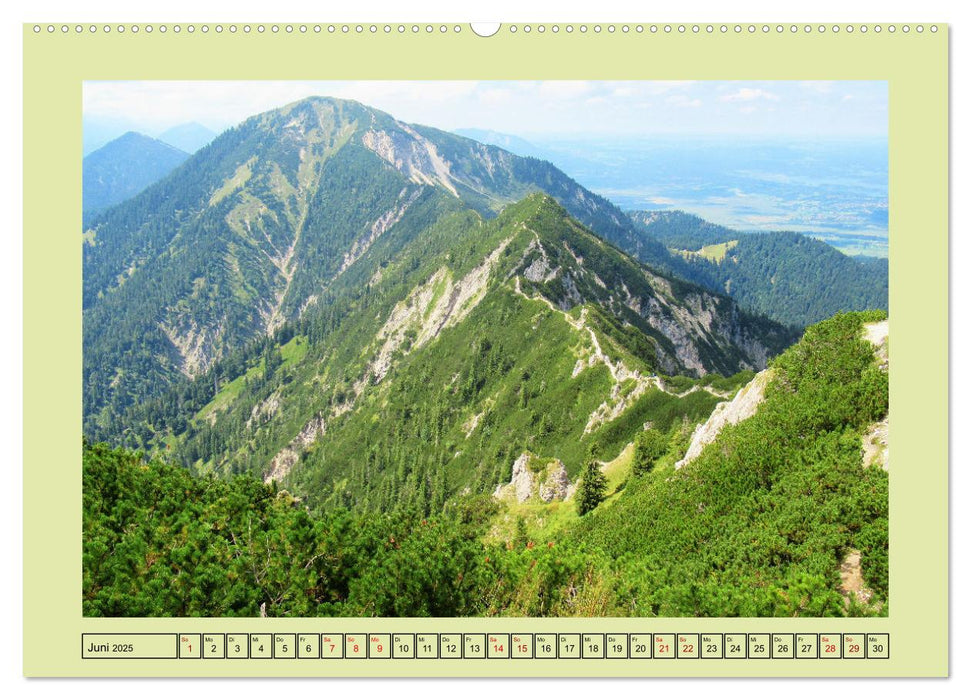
(915, 65)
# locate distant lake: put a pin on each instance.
(835, 190)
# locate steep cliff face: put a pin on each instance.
(694, 330)
(743, 405)
(876, 439)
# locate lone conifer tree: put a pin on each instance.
(649, 446)
(592, 489)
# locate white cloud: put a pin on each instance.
(683, 101)
(747, 94)
(496, 96)
(218, 104)
(517, 107)
(398, 90)
(565, 89)
(661, 87)
(821, 86)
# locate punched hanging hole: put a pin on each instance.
(485, 29)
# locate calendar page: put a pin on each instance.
(485, 350)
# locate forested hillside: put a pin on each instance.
(789, 277)
(759, 524)
(477, 340)
(255, 228)
(680, 230)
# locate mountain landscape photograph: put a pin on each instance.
(496, 348)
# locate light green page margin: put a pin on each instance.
(916, 69)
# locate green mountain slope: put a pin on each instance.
(476, 341)
(236, 242)
(789, 277)
(123, 168)
(762, 523)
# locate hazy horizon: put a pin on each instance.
(523, 108)
(808, 156)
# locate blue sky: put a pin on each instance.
(812, 109)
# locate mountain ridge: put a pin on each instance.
(284, 205)
(526, 310)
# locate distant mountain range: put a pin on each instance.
(100, 130)
(123, 168)
(188, 137)
(513, 144)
